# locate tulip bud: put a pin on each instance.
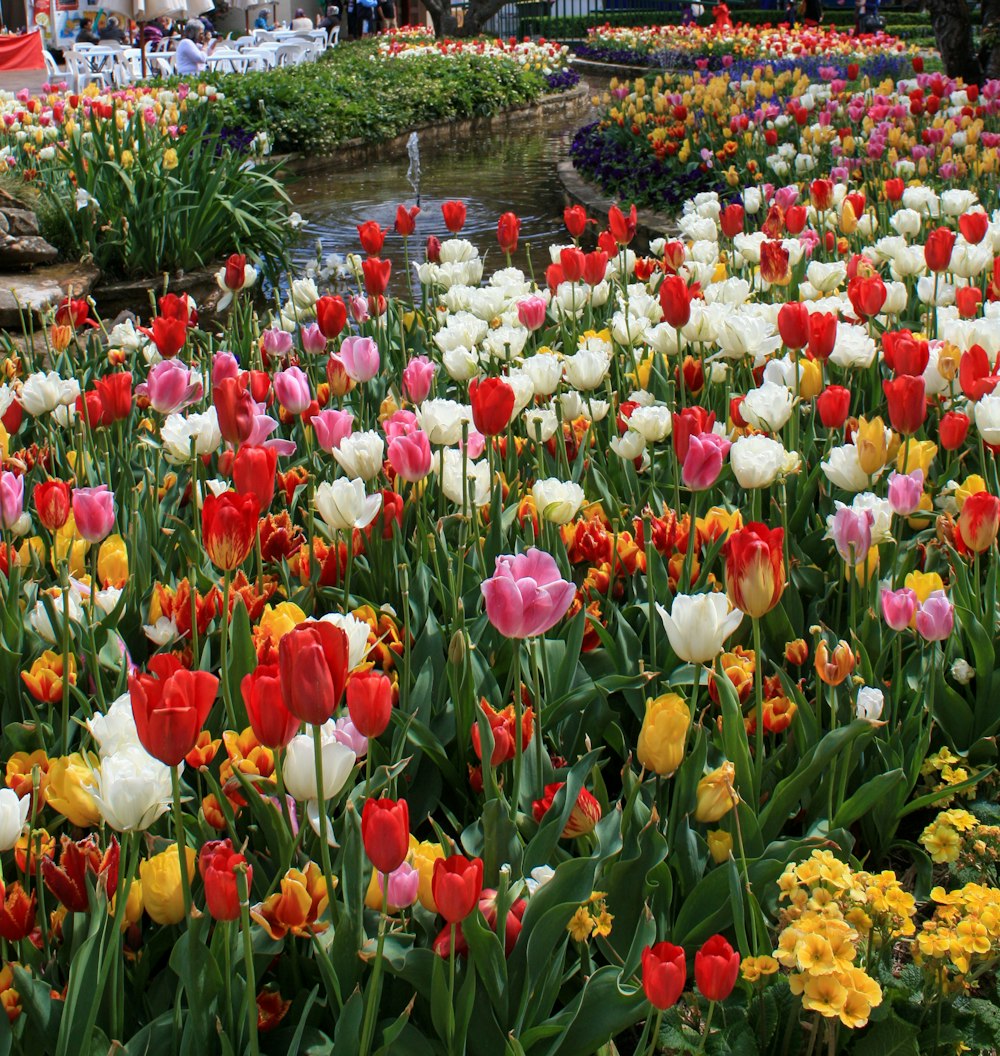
(834, 668)
(716, 796)
(720, 845)
(663, 736)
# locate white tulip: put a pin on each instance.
(698, 625)
(115, 730)
(587, 369)
(132, 789)
(557, 501)
(653, 423)
(361, 455)
(987, 414)
(843, 469)
(43, 392)
(13, 816)
(357, 631)
(757, 461)
(344, 505)
(767, 407)
(180, 433)
(442, 420)
(300, 767)
(869, 703)
(545, 372)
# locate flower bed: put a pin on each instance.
(684, 46)
(517, 661)
(707, 131)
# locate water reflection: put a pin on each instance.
(492, 173)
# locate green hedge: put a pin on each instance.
(313, 108)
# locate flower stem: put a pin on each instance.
(375, 986)
(518, 748)
(708, 1026)
(241, 886)
(175, 782)
(324, 843)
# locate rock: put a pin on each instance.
(39, 291)
(25, 252)
(18, 222)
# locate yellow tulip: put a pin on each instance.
(810, 378)
(716, 795)
(872, 445)
(720, 845)
(162, 895)
(972, 485)
(664, 734)
(422, 858)
(70, 779)
(112, 562)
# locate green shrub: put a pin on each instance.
(317, 107)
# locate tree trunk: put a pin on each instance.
(952, 25)
(989, 52)
(477, 14)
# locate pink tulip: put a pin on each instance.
(358, 306)
(94, 512)
(476, 445)
(410, 456)
(526, 596)
(331, 428)
(852, 533)
(276, 342)
(11, 498)
(703, 461)
(905, 492)
(531, 313)
(350, 736)
(785, 197)
(404, 883)
(224, 365)
(899, 607)
(291, 386)
(418, 375)
(170, 386)
(402, 423)
(312, 339)
(360, 358)
(936, 617)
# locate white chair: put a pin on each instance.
(259, 58)
(52, 67)
(227, 60)
(291, 54)
(264, 36)
(243, 42)
(333, 37)
(161, 65)
(81, 72)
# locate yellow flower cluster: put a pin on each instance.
(963, 934)
(941, 772)
(830, 911)
(592, 918)
(942, 839)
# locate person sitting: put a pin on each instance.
(301, 22)
(113, 32)
(192, 56)
(86, 35)
(261, 22)
(152, 32)
(330, 19)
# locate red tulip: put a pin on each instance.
(508, 229)
(774, 267)
(17, 913)
(979, 521)
(229, 528)
(331, 316)
(692, 421)
(795, 219)
(821, 194)
(867, 294)
(907, 403)
(673, 257)
(622, 225)
(218, 864)
(894, 189)
(236, 272)
(385, 832)
(595, 267)
(492, 402)
(974, 226)
(675, 300)
(369, 702)
(606, 241)
(456, 884)
(488, 908)
(822, 334)
(169, 335)
(554, 276)
(372, 237)
(731, 220)
(72, 312)
(170, 707)
(575, 219)
(406, 220)
(90, 407)
(793, 324)
(716, 966)
(833, 405)
(254, 470)
(313, 659)
(234, 407)
(853, 69)
(272, 723)
(52, 503)
(664, 973)
(572, 261)
(938, 248)
(967, 300)
(975, 375)
(903, 353)
(433, 249)
(586, 812)
(115, 391)
(953, 430)
(376, 272)
(67, 880)
(454, 215)
(918, 64)
(176, 306)
(755, 568)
